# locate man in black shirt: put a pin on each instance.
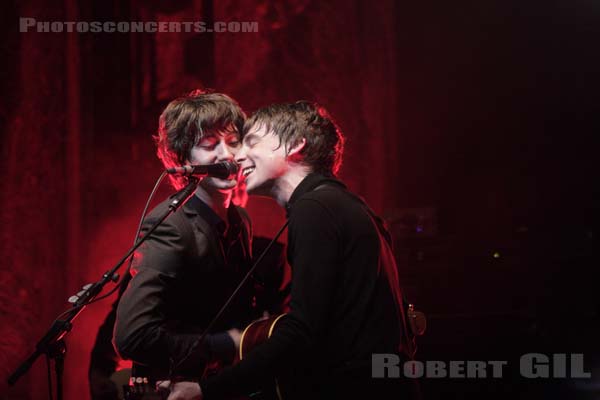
(346, 303)
(190, 265)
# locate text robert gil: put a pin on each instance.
(531, 365)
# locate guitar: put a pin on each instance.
(260, 330)
(255, 334)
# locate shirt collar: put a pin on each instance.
(207, 213)
(235, 221)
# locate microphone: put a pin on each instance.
(222, 170)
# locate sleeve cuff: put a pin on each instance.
(222, 347)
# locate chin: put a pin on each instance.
(250, 187)
(219, 184)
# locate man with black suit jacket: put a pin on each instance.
(189, 266)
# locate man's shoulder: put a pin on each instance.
(333, 203)
(327, 195)
(176, 219)
(321, 205)
(159, 209)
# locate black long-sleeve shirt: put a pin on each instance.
(345, 299)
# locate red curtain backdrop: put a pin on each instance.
(477, 113)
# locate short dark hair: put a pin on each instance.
(187, 120)
(291, 122)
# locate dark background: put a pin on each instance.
(470, 126)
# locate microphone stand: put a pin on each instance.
(52, 343)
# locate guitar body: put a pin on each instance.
(255, 334)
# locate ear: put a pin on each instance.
(295, 151)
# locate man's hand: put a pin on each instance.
(236, 336)
(183, 390)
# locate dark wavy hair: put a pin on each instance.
(291, 122)
(188, 119)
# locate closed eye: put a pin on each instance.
(250, 140)
(210, 146)
(234, 143)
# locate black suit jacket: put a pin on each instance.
(182, 275)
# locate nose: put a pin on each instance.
(224, 152)
(241, 155)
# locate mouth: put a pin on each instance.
(247, 171)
